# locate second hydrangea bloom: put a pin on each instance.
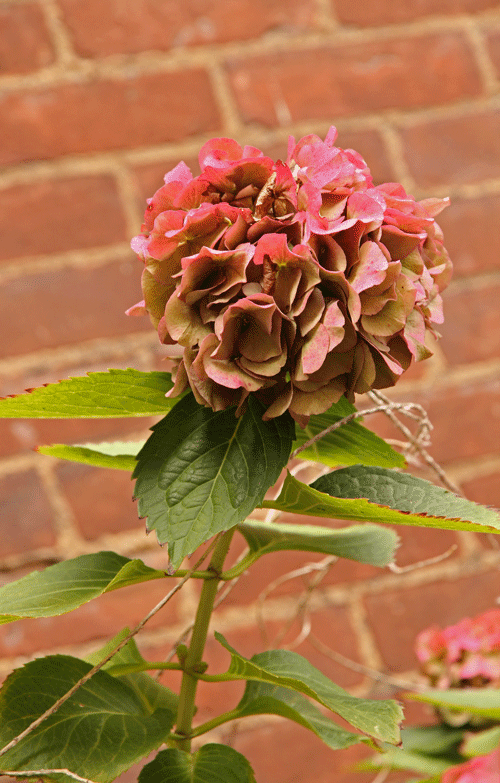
(298, 281)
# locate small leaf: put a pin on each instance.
(479, 701)
(99, 732)
(148, 689)
(261, 698)
(400, 758)
(349, 444)
(112, 394)
(118, 455)
(364, 543)
(65, 586)
(481, 743)
(379, 495)
(379, 719)
(211, 764)
(202, 472)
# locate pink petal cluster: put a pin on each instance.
(296, 281)
(482, 769)
(463, 655)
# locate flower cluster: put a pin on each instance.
(297, 281)
(463, 655)
(482, 769)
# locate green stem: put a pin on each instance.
(225, 717)
(194, 656)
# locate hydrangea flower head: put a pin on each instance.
(296, 281)
(463, 655)
(482, 769)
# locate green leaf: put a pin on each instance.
(121, 456)
(482, 743)
(400, 758)
(99, 732)
(65, 586)
(202, 472)
(479, 701)
(350, 444)
(111, 394)
(379, 495)
(261, 698)
(210, 764)
(147, 689)
(364, 543)
(379, 719)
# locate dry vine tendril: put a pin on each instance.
(280, 290)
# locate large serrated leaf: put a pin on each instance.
(286, 669)
(379, 495)
(65, 586)
(98, 733)
(261, 698)
(349, 444)
(202, 471)
(112, 394)
(367, 543)
(211, 764)
(119, 455)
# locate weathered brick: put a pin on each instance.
(454, 150)
(68, 306)
(105, 115)
(471, 331)
(471, 234)
(138, 25)
(25, 514)
(57, 215)
(493, 41)
(101, 500)
(383, 12)
(99, 619)
(25, 43)
(354, 79)
(396, 617)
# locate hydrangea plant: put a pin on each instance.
(460, 663)
(279, 291)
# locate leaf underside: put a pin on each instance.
(111, 394)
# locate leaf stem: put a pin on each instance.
(194, 655)
(225, 717)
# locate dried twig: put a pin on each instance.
(422, 563)
(38, 773)
(108, 657)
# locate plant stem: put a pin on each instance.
(194, 655)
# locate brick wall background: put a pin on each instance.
(97, 101)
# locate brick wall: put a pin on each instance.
(97, 101)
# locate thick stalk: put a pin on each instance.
(194, 655)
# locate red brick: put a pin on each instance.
(287, 753)
(455, 150)
(383, 12)
(471, 331)
(68, 306)
(484, 489)
(352, 79)
(24, 39)
(25, 514)
(471, 234)
(138, 25)
(106, 115)
(58, 215)
(466, 420)
(396, 617)
(493, 40)
(101, 500)
(99, 619)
